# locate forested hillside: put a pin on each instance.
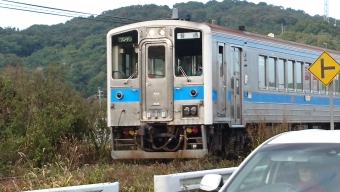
(79, 44)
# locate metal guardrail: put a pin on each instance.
(100, 187)
(186, 181)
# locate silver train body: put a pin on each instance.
(180, 89)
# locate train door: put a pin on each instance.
(235, 86)
(157, 81)
(222, 92)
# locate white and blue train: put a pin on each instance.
(181, 89)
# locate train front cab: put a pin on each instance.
(157, 104)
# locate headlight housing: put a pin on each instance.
(155, 32)
(189, 111)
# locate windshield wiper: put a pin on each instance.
(183, 72)
(131, 76)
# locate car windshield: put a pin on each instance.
(290, 167)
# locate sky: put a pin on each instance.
(22, 19)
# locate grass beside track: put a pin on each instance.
(132, 175)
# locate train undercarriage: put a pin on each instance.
(164, 141)
(194, 141)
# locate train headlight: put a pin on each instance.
(189, 111)
(186, 111)
(151, 32)
(193, 110)
(155, 32)
(161, 31)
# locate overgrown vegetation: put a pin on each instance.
(260, 132)
(42, 120)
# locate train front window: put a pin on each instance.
(125, 55)
(188, 66)
(156, 62)
(188, 52)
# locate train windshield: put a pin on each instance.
(156, 62)
(125, 55)
(188, 51)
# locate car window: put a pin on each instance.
(256, 177)
(290, 167)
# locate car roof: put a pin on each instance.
(307, 136)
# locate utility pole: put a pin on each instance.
(326, 10)
(100, 94)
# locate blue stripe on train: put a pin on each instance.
(129, 95)
(183, 93)
(180, 93)
(289, 99)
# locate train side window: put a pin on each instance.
(315, 84)
(271, 73)
(262, 72)
(290, 75)
(336, 85)
(281, 73)
(322, 88)
(299, 87)
(220, 60)
(307, 78)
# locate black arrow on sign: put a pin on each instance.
(323, 68)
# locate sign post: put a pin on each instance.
(325, 68)
(331, 105)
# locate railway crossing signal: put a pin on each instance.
(325, 68)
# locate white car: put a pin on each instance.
(300, 161)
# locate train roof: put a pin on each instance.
(231, 31)
(246, 34)
(307, 136)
